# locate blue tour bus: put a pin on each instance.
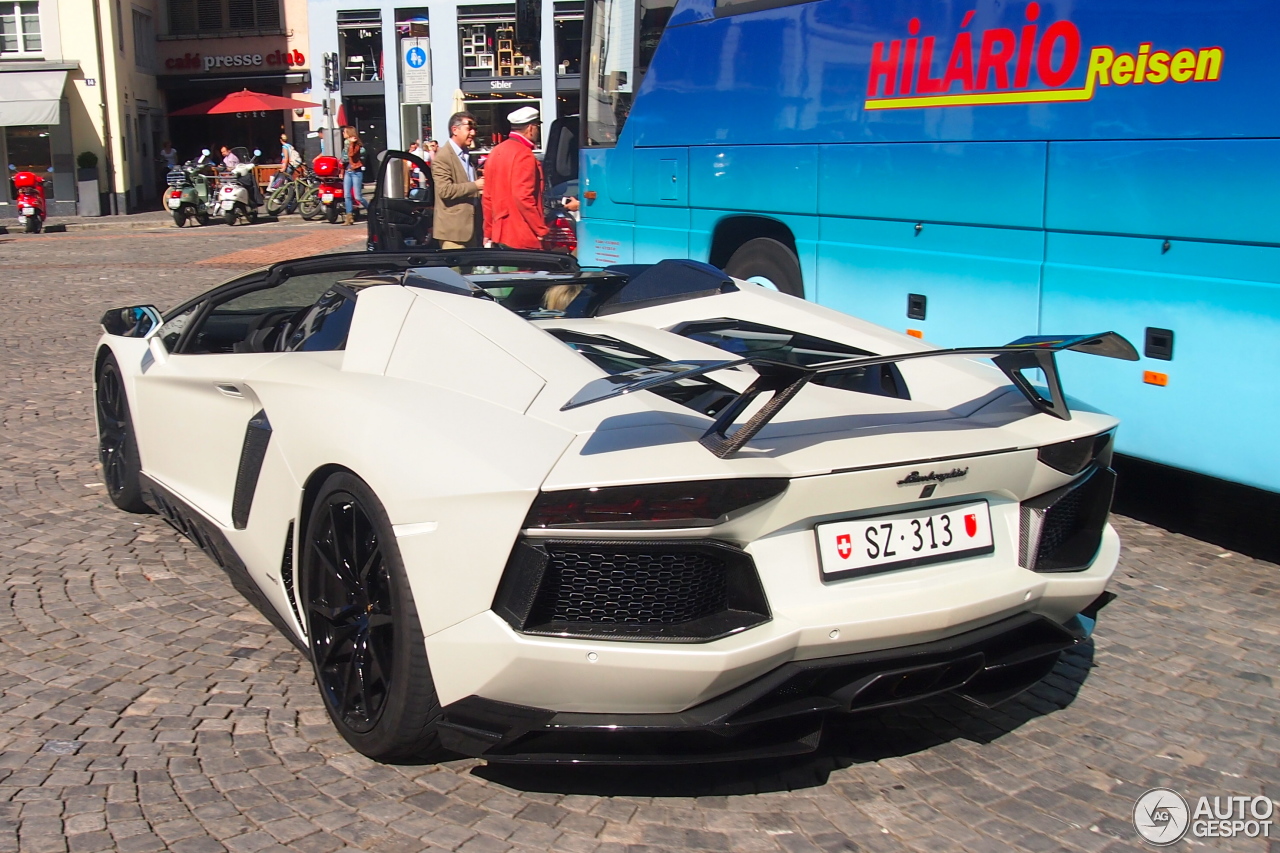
(972, 172)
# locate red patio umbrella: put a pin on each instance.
(243, 102)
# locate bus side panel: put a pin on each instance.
(662, 176)
(606, 232)
(1218, 412)
(763, 179)
(982, 284)
(660, 233)
(995, 183)
(1216, 189)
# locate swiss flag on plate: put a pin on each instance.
(844, 544)
(971, 525)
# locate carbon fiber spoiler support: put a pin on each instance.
(784, 380)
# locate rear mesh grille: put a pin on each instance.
(1061, 530)
(176, 178)
(668, 590)
(610, 585)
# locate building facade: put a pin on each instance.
(102, 76)
(403, 68)
(211, 48)
(78, 76)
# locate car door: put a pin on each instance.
(195, 399)
(403, 204)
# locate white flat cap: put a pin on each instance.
(524, 115)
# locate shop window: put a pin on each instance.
(568, 37)
(144, 41)
(487, 46)
(360, 46)
(20, 27)
(194, 17)
(29, 151)
(491, 116)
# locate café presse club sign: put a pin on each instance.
(216, 62)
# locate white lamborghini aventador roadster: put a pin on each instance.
(683, 518)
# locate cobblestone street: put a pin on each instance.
(144, 706)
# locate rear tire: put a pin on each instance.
(117, 447)
(331, 213)
(363, 630)
(309, 205)
(229, 217)
(180, 217)
(32, 225)
(769, 262)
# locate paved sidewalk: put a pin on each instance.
(144, 706)
(151, 219)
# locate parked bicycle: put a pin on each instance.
(296, 194)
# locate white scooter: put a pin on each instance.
(239, 196)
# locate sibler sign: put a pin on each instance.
(1028, 66)
(214, 62)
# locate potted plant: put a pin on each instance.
(87, 166)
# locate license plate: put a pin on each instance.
(175, 203)
(28, 211)
(865, 546)
(327, 198)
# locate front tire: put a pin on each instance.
(117, 447)
(280, 201)
(363, 630)
(770, 263)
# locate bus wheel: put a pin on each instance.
(768, 262)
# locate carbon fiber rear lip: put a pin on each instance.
(780, 713)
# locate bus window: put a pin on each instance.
(724, 8)
(624, 37)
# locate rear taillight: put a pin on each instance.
(654, 505)
(1072, 457)
(175, 193)
(562, 236)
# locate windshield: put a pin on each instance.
(623, 38)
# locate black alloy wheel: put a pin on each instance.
(117, 447)
(363, 629)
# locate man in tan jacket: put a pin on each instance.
(457, 213)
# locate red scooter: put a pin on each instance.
(329, 171)
(31, 209)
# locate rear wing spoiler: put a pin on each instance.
(784, 380)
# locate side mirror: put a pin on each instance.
(257, 152)
(205, 151)
(418, 194)
(136, 321)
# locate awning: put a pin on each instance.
(30, 97)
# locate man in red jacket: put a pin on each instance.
(513, 215)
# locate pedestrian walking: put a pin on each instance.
(513, 207)
(353, 155)
(457, 186)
